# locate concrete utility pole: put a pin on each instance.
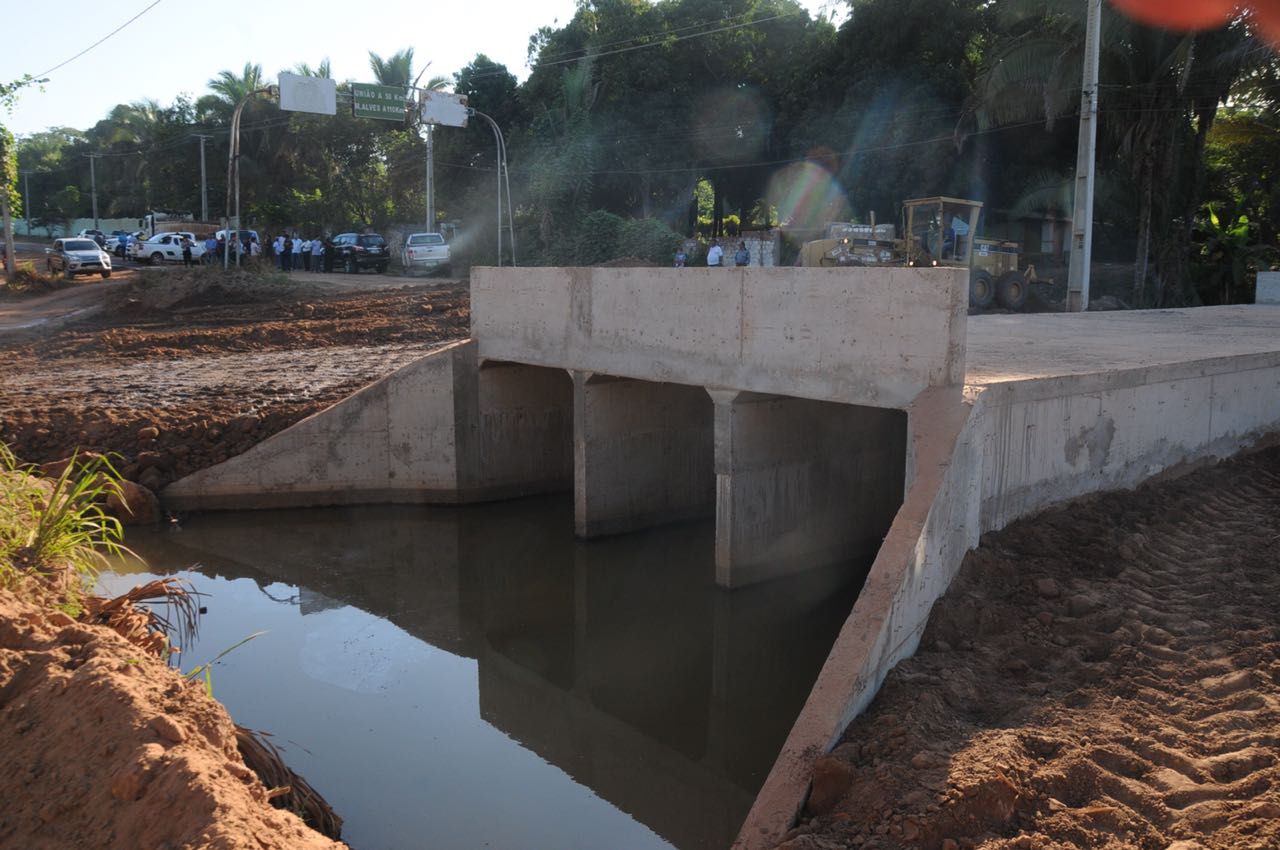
(431, 179)
(204, 182)
(93, 188)
(26, 200)
(1086, 159)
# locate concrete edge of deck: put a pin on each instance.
(982, 459)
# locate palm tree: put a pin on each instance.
(396, 71)
(232, 88)
(324, 69)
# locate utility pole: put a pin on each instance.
(92, 183)
(431, 179)
(204, 182)
(26, 200)
(1086, 159)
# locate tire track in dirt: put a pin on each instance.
(1104, 675)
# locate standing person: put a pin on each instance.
(306, 255)
(233, 248)
(210, 250)
(278, 247)
(286, 255)
(317, 254)
(328, 254)
(255, 250)
(296, 259)
(186, 251)
(715, 255)
(742, 257)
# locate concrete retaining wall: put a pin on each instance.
(1008, 451)
(1268, 290)
(874, 337)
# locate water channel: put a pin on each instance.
(477, 677)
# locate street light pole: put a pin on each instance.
(504, 176)
(233, 174)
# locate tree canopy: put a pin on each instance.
(705, 115)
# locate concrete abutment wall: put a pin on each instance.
(642, 454)
(801, 483)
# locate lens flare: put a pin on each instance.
(732, 125)
(807, 195)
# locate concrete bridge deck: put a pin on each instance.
(1051, 345)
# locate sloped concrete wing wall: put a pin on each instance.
(1012, 449)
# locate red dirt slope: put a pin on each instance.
(1104, 675)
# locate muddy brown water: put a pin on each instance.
(477, 677)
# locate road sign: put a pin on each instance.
(308, 94)
(439, 107)
(385, 102)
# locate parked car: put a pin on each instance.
(426, 251)
(116, 242)
(355, 251)
(75, 255)
(96, 235)
(165, 246)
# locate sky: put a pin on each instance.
(176, 47)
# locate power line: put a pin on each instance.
(43, 74)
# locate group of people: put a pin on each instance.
(295, 253)
(218, 249)
(715, 256)
(288, 252)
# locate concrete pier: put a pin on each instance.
(642, 454)
(801, 484)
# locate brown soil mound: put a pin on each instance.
(106, 747)
(1105, 675)
(185, 369)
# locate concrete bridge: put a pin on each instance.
(818, 413)
(773, 399)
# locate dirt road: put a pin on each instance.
(178, 370)
(1105, 675)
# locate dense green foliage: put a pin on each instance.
(749, 113)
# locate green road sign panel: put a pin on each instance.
(370, 101)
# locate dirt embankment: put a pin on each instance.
(1105, 675)
(104, 746)
(182, 370)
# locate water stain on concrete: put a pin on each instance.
(1095, 440)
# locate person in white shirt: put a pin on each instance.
(715, 254)
(306, 255)
(297, 253)
(317, 255)
(278, 246)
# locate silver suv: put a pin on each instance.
(77, 255)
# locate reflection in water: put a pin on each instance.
(654, 701)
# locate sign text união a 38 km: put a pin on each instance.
(370, 101)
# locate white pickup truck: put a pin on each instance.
(425, 251)
(165, 246)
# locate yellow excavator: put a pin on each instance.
(937, 231)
